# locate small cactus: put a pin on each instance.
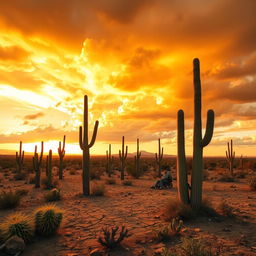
(176, 226)
(137, 159)
(112, 238)
(110, 160)
(159, 158)
(48, 219)
(19, 159)
(122, 157)
(61, 152)
(18, 224)
(49, 184)
(230, 154)
(37, 164)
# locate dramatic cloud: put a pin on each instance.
(133, 58)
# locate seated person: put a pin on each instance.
(166, 180)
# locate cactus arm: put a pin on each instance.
(42, 152)
(209, 128)
(120, 156)
(81, 138)
(64, 141)
(126, 152)
(182, 179)
(94, 134)
(162, 153)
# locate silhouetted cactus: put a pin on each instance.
(49, 170)
(48, 219)
(230, 154)
(19, 159)
(37, 164)
(18, 224)
(241, 163)
(195, 198)
(61, 152)
(85, 147)
(112, 238)
(159, 158)
(122, 157)
(110, 160)
(137, 159)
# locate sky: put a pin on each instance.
(133, 58)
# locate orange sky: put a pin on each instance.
(133, 58)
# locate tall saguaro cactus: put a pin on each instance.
(49, 169)
(137, 159)
(85, 147)
(19, 159)
(61, 152)
(195, 198)
(230, 154)
(159, 158)
(110, 160)
(37, 164)
(122, 157)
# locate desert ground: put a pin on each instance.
(139, 208)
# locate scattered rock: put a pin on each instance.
(14, 245)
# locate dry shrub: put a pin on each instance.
(225, 209)
(72, 172)
(110, 181)
(96, 172)
(20, 176)
(9, 200)
(176, 209)
(226, 177)
(127, 183)
(98, 189)
(252, 183)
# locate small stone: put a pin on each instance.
(14, 245)
(96, 252)
(197, 230)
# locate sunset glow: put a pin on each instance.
(135, 67)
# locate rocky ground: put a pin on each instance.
(141, 210)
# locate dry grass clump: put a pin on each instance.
(110, 181)
(9, 200)
(96, 172)
(226, 177)
(127, 183)
(20, 176)
(225, 209)
(72, 172)
(167, 232)
(176, 209)
(46, 185)
(53, 195)
(252, 183)
(98, 189)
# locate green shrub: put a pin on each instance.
(98, 189)
(18, 224)
(48, 219)
(53, 195)
(127, 183)
(9, 200)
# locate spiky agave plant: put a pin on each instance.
(18, 224)
(48, 219)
